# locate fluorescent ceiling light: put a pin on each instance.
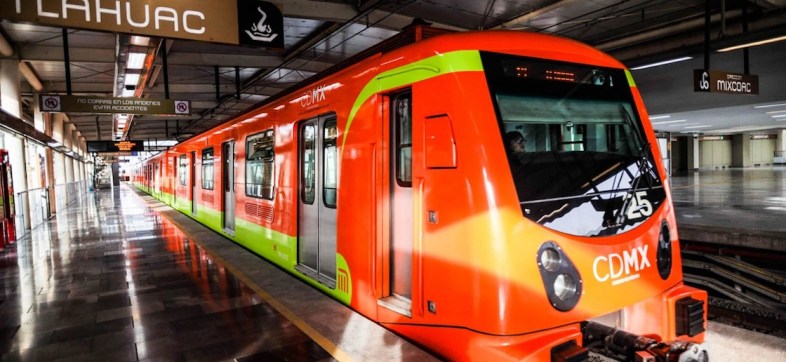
(127, 93)
(771, 112)
(674, 121)
(659, 117)
(752, 44)
(661, 63)
(136, 60)
(132, 79)
(779, 116)
(139, 40)
(698, 126)
(771, 105)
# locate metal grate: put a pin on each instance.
(263, 212)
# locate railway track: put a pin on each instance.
(747, 287)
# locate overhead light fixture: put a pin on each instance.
(659, 117)
(132, 79)
(771, 105)
(674, 121)
(128, 93)
(779, 116)
(676, 60)
(753, 44)
(136, 60)
(773, 112)
(703, 126)
(139, 40)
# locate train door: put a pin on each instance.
(398, 295)
(228, 180)
(317, 185)
(157, 179)
(192, 177)
(174, 180)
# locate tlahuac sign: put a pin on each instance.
(102, 105)
(722, 82)
(247, 22)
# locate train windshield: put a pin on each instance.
(575, 146)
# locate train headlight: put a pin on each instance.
(550, 259)
(664, 251)
(564, 286)
(560, 277)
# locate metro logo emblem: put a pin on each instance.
(621, 268)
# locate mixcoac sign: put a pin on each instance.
(246, 22)
(722, 82)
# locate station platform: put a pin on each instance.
(122, 277)
(735, 207)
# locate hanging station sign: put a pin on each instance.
(89, 104)
(124, 147)
(714, 81)
(247, 22)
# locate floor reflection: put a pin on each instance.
(751, 198)
(111, 279)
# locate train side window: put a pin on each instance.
(403, 129)
(329, 163)
(182, 167)
(207, 169)
(259, 165)
(308, 167)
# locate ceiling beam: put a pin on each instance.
(55, 54)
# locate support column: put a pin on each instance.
(68, 131)
(740, 150)
(10, 102)
(10, 97)
(693, 153)
(780, 147)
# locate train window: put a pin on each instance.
(182, 170)
(259, 165)
(207, 169)
(576, 148)
(403, 128)
(329, 163)
(308, 164)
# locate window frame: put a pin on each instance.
(399, 145)
(182, 169)
(270, 135)
(205, 163)
(331, 121)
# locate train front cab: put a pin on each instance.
(515, 256)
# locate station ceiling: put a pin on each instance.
(319, 34)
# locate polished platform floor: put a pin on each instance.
(112, 279)
(749, 204)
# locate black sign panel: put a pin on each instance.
(723, 82)
(115, 146)
(260, 23)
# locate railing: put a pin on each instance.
(35, 203)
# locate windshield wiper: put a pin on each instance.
(644, 154)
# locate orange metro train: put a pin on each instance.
(490, 195)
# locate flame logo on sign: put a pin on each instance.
(261, 31)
